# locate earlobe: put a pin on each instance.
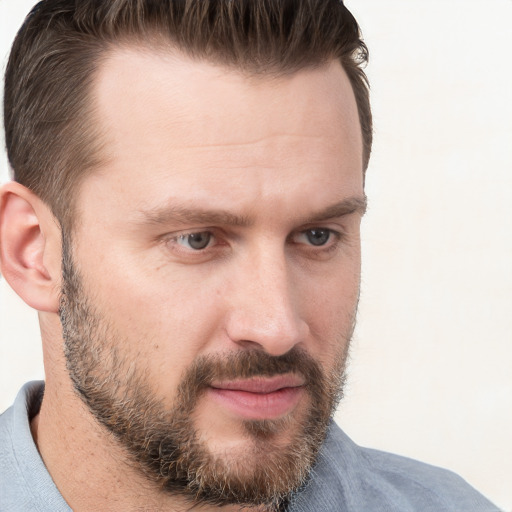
(29, 247)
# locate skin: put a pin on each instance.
(273, 153)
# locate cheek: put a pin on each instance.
(330, 310)
(163, 323)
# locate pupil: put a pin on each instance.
(318, 236)
(199, 240)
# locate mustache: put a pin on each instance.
(245, 365)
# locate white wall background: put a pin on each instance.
(431, 371)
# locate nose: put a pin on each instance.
(264, 305)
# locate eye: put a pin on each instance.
(318, 236)
(314, 236)
(196, 241)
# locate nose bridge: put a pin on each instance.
(265, 309)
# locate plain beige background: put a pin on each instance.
(431, 370)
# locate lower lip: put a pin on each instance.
(258, 406)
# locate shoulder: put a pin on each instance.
(6, 442)
(25, 484)
(374, 481)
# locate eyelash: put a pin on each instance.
(336, 235)
(328, 247)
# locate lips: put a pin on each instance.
(259, 398)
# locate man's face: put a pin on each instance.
(212, 280)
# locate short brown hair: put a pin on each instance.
(50, 136)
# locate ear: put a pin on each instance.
(30, 251)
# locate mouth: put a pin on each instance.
(259, 398)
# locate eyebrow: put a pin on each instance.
(345, 207)
(185, 215)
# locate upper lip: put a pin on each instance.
(260, 384)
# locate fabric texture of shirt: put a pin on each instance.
(346, 478)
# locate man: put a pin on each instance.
(185, 218)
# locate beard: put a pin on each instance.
(163, 442)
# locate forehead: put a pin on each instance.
(169, 120)
(140, 90)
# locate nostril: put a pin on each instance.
(274, 336)
(248, 344)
